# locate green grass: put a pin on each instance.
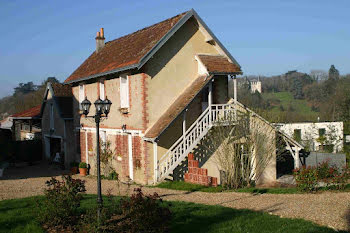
(18, 215)
(181, 185)
(184, 186)
(286, 99)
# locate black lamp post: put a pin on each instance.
(102, 109)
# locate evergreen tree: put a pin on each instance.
(333, 73)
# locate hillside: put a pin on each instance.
(284, 102)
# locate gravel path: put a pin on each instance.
(327, 208)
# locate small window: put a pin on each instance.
(81, 95)
(321, 132)
(102, 90)
(124, 91)
(297, 135)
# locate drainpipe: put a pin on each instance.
(155, 161)
(210, 99)
(235, 95)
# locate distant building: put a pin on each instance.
(255, 85)
(27, 124)
(320, 136)
(6, 123)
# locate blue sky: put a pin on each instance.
(44, 38)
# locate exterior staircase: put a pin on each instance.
(185, 144)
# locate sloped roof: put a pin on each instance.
(177, 107)
(134, 50)
(124, 51)
(63, 98)
(62, 90)
(29, 113)
(218, 64)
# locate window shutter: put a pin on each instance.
(124, 91)
(102, 90)
(81, 95)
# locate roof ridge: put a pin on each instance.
(148, 27)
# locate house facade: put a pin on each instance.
(326, 136)
(57, 123)
(168, 84)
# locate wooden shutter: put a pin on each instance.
(124, 91)
(81, 95)
(102, 90)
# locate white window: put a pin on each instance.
(51, 117)
(103, 136)
(102, 90)
(124, 91)
(81, 95)
(103, 139)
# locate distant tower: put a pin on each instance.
(255, 85)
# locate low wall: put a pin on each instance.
(338, 160)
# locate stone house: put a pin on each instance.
(57, 123)
(167, 82)
(310, 134)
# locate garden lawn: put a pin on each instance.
(184, 186)
(18, 215)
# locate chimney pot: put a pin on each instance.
(100, 40)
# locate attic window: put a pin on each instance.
(124, 92)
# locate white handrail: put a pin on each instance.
(179, 150)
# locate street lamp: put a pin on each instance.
(102, 109)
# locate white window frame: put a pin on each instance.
(81, 94)
(102, 90)
(124, 91)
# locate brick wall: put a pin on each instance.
(196, 175)
(82, 147)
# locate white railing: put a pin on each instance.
(186, 143)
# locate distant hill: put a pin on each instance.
(299, 97)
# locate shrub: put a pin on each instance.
(326, 173)
(61, 201)
(139, 213)
(306, 178)
(341, 179)
(111, 176)
(144, 213)
(82, 165)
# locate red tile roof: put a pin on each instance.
(218, 64)
(32, 112)
(125, 51)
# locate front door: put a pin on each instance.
(55, 147)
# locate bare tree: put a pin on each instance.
(244, 147)
(319, 75)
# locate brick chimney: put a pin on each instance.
(100, 40)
